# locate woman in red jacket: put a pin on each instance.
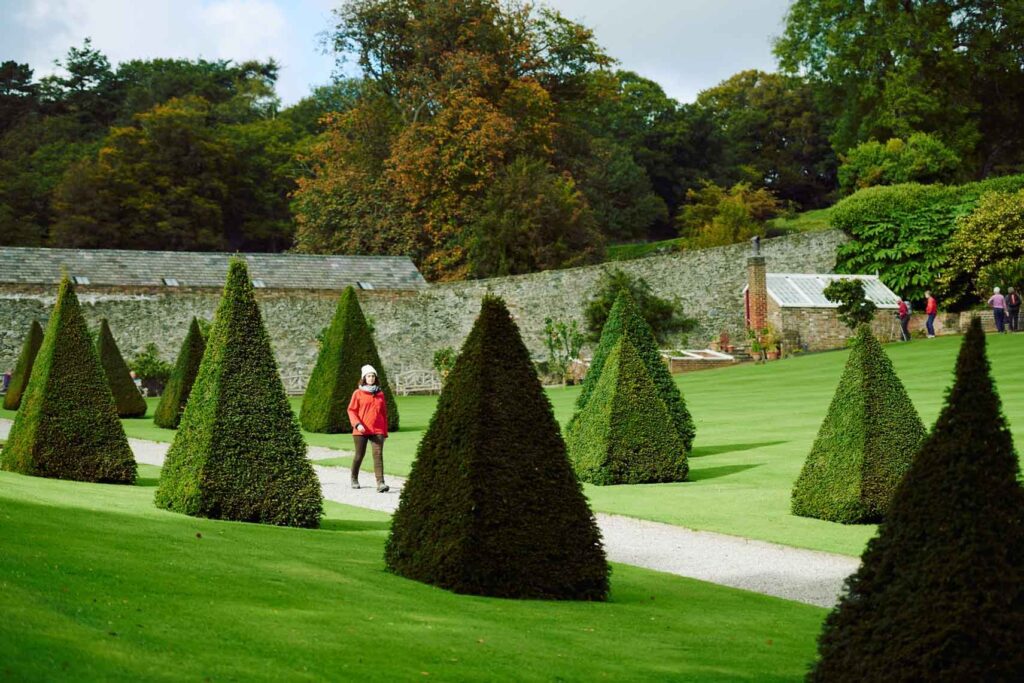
(368, 413)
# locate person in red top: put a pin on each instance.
(368, 413)
(903, 312)
(931, 307)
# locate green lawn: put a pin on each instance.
(97, 584)
(817, 219)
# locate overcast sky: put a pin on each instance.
(685, 45)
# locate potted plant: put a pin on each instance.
(770, 342)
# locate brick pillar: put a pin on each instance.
(757, 293)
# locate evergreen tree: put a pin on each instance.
(23, 370)
(624, 435)
(238, 453)
(67, 426)
(939, 595)
(127, 398)
(625, 321)
(866, 442)
(175, 396)
(347, 347)
(492, 506)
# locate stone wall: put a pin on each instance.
(410, 326)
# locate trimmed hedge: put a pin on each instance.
(127, 398)
(625, 320)
(347, 347)
(939, 595)
(23, 370)
(624, 434)
(67, 426)
(238, 453)
(492, 506)
(175, 396)
(865, 445)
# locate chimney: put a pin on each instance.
(757, 292)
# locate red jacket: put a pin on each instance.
(371, 410)
(932, 306)
(902, 311)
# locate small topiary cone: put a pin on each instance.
(126, 395)
(176, 393)
(23, 370)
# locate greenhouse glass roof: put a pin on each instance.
(801, 290)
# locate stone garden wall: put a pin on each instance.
(411, 325)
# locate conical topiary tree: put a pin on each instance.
(175, 396)
(865, 445)
(67, 426)
(624, 435)
(492, 506)
(939, 595)
(347, 346)
(127, 398)
(238, 453)
(23, 370)
(624, 320)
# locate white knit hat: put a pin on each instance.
(367, 369)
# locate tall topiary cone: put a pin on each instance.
(492, 506)
(175, 396)
(67, 426)
(865, 445)
(23, 370)
(624, 435)
(347, 347)
(238, 453)
(624, 320)
(939, 595)
(126, 395)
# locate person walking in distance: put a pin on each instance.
(368, 413)
(931, 308)
(998, 303)
(903, 312)
(1013, 309)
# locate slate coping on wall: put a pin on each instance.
(181, 269)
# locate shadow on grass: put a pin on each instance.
(716, 472)
(701, 451)
(147, 481)
(354, 525)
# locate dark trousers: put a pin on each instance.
(904, 327)
(378, 455)
(999, 315)
(1014, 318)
(930, 324)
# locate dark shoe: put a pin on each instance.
(355, 483)
(383, 488)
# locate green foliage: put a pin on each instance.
(127, 398)
(149, 365)
(855, 309)
(1002, 274)
(624, 434)
(564, 342)
(716, 216)
(939, 591)
(664, 317)
(921, 158)
(491, 506)
(865, 445)
(23, 370)
(67, 426)
(993, 232)
(347, 346)
(444, 361)
(624, 321)
(903, 231)
(186, 368)
(239, 453)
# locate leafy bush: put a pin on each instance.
(346, 348)
(148, 365)
(67, 426)
(664, 317)
(564, 342)
(239, 454)
(993, 232)
(23, 370)
(865, 445)
(1003, 274)
(175, 397)
(940, 589)
(855, 308)
(624, 434)
(127, 398)
(444, 361)
(624, 320)
(921, 158)
(491, 506)
(716, 216)
(903, 231)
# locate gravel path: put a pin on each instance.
(807, 576)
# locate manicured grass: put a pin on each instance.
(802, 222)
(98, 584)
